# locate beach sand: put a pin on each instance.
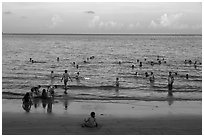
(114, 118)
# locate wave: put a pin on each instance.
(10, 95)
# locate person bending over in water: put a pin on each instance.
(26, 98)
(91, 121)
(35, 90)
(65, 76)
(170, 83)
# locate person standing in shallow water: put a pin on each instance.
(151, 78)
(52, 78)
(65, 77)
(117, 82)
(170, 83)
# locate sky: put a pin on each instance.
(99, 17)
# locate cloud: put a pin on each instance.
(90, 12)
(94, 22)
(97, 22)
(7, 12)
(55, 21)
(134, 25)
(168, 21)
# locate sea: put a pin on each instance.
(101, 58)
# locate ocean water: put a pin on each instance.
(19, 74)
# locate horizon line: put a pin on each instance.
(187, 34)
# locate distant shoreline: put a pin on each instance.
(99, 34)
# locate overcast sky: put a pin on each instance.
(127, 17)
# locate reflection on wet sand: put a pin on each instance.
(46, 104)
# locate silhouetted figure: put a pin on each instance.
(50, 91)
(52, 78)
(170, 84)
(77, 66)
(159, 62)
(138, 60)
(35, 90)
(44, 94)
(26, 102)
(117, 82)
(30, 59)
(146, 74)
(176, 73)
(90, 122)
(133, 66)
(119, 62)
(152, 63)
(165, 62)
(140, 64)
(195, 66)
(26, 98)
(65, 77)
(135, 73)
(151, 78)
(58, 59)
(186, 76)
(185, 61)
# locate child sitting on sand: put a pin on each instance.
(90, 122)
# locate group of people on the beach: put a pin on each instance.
(91, 121)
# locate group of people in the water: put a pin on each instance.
(35, 92)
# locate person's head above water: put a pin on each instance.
(93, 114)
(65, 71)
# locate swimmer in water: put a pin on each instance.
(77, 76)
(146, 74)
(133, 66)
(186, 76)
(140, 64)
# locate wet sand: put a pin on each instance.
(114, 118)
